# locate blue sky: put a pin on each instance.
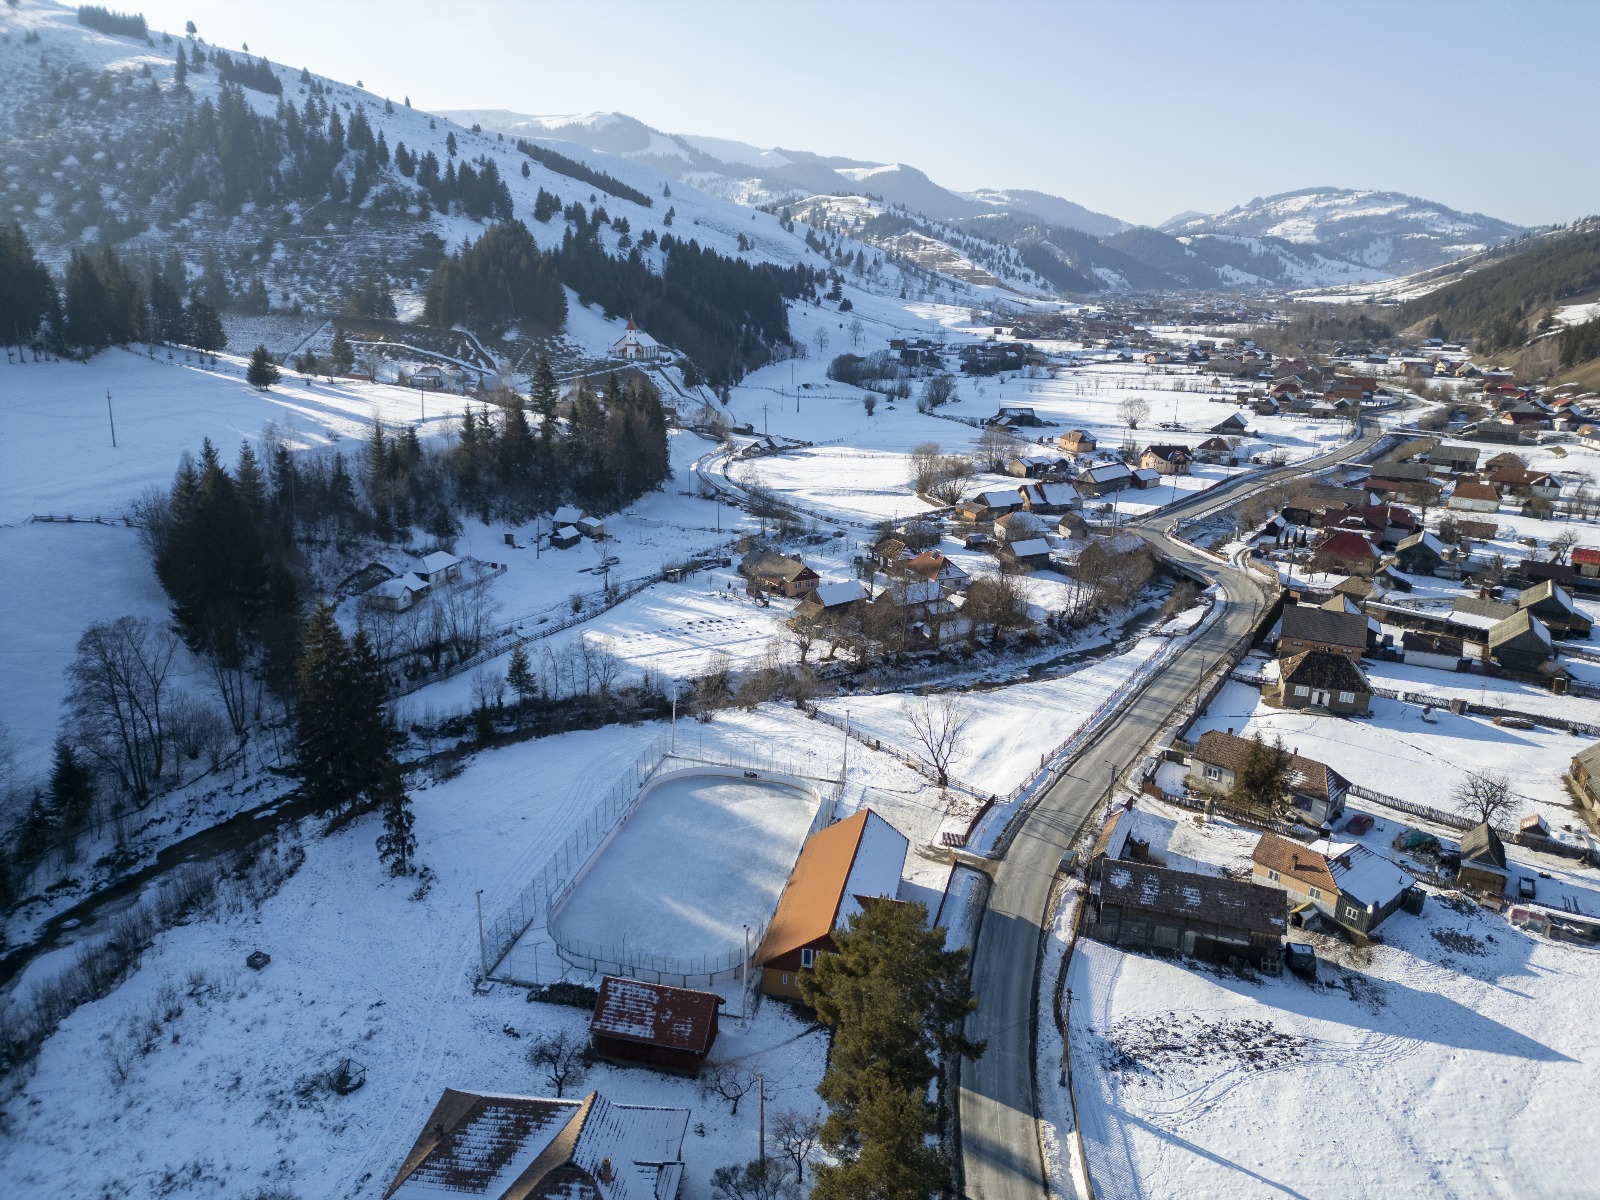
(1140, 108)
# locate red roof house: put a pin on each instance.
(652, 1024)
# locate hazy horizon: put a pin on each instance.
(1141, 109)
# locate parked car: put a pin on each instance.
(1301, 959)
(1358, 824)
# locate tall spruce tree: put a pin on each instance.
(262, 372)
(895, 1000)
(397, 845)
(342, 354)
(71, 794)
(27, 293)
(520, 676)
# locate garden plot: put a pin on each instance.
(700, 858)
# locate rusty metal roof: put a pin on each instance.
(655, 1014)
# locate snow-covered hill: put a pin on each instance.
(1389, 231)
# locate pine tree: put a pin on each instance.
(35, 834)
(71, 793)
(262, 372)
(204, 326)
(343, 356)
(324, 716)
(545, 389)
(397, 845)
(180, 71)
(520, 676)
(450, 144)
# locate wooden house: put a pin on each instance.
(1231, 425)
(1483, 861)
(1312, 627)
(1024, 554)
(1520, 643)
(832, 599)
(1019, 526)
(668, 1028)
(769, 571)
(1313, 788)
(489, 1146)
(1049, 499)
(1103, 478)
(841, 869)
(1320, 679)
(1452, 460)
(1421, 554)
(986, 506)
(1146, 907)
(1553, 605)
(1585, 777)
(1214, 450)
(564, 537)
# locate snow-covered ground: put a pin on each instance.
(1442, 1062)
(727, 846)
(1399, 754)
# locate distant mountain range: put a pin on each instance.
(1312, 237)
(1387, 230)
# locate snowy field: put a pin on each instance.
(56, 412)
(359, 968)
(94, 573)
(703, 857)
(1443, 1062)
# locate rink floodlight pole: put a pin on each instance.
(483, 952)
(110, 416)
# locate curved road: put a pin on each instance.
(1001, 1158)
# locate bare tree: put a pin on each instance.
(1133, 410)
(117, 699)
(855, 330)
(796, 1135)
(1486, 795)
(940, 725)
(560, 1057)
(819, 339)
(760, 1179)
(995, 444)
(728, 1082)
(1561, 545)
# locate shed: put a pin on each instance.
(654, 1025)
(1521, 642)
(564, 537)
(1437, 650)
(1483, 861)
(591, 527)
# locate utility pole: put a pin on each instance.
(761, 1117)
(675, 724)
(112, 418)
(763, 420)
(483, 952)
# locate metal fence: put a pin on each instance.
(555, 878)
(542, 897)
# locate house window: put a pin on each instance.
(1352, 913)
(1316, 893)
(1273, 875)
(1301, 689)
(786, 980)
(808, 959)
(1347, 697)
(1213, 772)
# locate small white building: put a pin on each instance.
(635, 345)
(440, 567)
(591, 527)
(398, 594)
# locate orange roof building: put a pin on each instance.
(840, 868)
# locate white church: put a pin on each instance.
(635, 345)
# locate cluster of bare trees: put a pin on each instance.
(1104, 581)
(939, 476)
(448, 626)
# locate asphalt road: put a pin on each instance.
(1001, 1157)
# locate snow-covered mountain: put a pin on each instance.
(1388, 231)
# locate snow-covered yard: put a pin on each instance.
(1443, 1062)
